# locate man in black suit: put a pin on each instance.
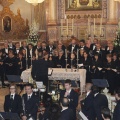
(100, 101)
(106, 113)
(50, 47)
(13, 102)
(87, 103)
(5, 50)
(116, 114)
(37, 47)
(82, 45)
(93, 45)
(24, 46)
(11, 45)
(71, 95)
(40, 71)
(66, 113)
(30, 104)
(73, 47)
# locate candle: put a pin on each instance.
(68, 3)
(67, 27)
(94, 26)
(88, 25)
(20, 43)
(101, 24)
(72, 26)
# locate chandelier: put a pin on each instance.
(34, 2)
(117, 0)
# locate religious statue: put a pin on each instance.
(7, 24)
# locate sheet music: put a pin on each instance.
(39, 85)
(50, 70)
(83, 116)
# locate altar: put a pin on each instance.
(61, 74)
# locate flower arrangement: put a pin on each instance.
(33, 35)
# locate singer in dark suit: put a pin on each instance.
(116, 114)
(71, 95)
(87, 103)
(30, 103)
(66, 113)
(73, 47)
(13, 102)
(100, 101)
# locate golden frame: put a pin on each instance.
(6, 23)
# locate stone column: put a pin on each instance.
(52, 19)
(112, 11)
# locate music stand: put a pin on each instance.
(103, 83)
(9, 116)
(14, 78)
(17, 80)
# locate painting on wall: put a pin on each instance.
(6, 24)
(83, 5)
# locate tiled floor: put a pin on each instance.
(3, 92)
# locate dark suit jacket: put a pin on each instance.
(100, 101)
(31, 106)
(48, 49)
(92, 46)
(116, 114)
(14, 106)
(73, 100)
(66, 115)
(87, 106)
(39, 68)
(75, 48)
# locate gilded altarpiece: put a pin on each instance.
(81, 11)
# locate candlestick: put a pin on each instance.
(77, 53)
(94, 25)
(26, 53)
(66, 53)
(72, 26)
(88, 25)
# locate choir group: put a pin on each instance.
(99, 63)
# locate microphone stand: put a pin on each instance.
(77, 59)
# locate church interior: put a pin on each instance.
(67, 52)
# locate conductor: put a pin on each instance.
(40, 71)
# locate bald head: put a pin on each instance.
(88, 87)
(65, 102)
